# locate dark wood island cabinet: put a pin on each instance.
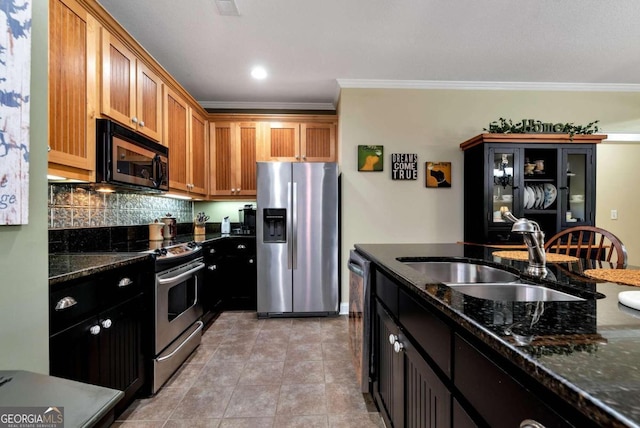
(444, 359)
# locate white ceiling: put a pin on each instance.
(311, 48)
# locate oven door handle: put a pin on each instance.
(178, 278)
(198, 330)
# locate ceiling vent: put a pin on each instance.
(227, 7)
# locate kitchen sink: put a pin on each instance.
(461, 272)
(513, 292)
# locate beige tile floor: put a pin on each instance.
(292, 372)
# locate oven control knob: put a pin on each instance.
(212, 267)
(94, 330)
(250, 261)
(212, 251)
(192, 244)
(106, 323)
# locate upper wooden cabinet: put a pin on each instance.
(198, 153)
(233, 158)
(186, 136)
(131, 92)
(299, 142)
(73, 50)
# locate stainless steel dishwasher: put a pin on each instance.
(360, 317)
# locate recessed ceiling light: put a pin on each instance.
(259, 73)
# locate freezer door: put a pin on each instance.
(274, 259)
(315, 237)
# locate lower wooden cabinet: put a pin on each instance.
(231, 278)
(105, 350)
(407, 389)
(428, 373)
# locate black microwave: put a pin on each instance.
(125, 158)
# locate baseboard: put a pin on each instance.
(344, 308)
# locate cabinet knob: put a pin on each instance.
(304, 157)
(65, 302)
(94, 330)
(141, 123)
(124, 282)
(212, 267)
(393, 338)
(106, 323)
(398, 347)
(212, 251)
(530, 423)
(48, 148)
(297, 157)
(134, 119)
(241, 247)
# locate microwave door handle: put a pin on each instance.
(155, 167)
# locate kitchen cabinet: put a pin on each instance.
(548, 178)
(300, 142)
(186, 136)
(73, 91)
(231, 278)
(131, 91)
(428, 372)
(405, 385)
(233, 158)
(99, 329)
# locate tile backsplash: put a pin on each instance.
(71, 206)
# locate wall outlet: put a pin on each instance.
(614, 214)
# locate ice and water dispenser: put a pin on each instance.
(275, 225)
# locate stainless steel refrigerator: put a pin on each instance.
(297, 238)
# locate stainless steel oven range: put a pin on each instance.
(178, 289)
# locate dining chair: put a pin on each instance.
(591, 243)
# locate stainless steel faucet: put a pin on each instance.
(533, 238)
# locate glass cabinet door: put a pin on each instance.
(577, 200)
(502, 187)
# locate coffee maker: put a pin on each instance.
(247, 216)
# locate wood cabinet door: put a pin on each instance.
(388, 385)
(233, 158)
(73, 48)
(176, 135)
(198, 154)
(148, 102)
(118, 81)
(282, 142)
(222, 176)
(245, 154)
(427, 399)
(121, 354)
(318, 142)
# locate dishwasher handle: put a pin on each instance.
(355, 268)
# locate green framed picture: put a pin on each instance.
(370, 158)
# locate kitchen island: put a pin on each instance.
(582, 362)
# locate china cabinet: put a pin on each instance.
(547, 178)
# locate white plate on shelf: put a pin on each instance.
(532, 197)
(525, 201)
(630, 299)
(550, 194)
(539, 197)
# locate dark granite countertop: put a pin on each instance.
(68, 266)
(84, 405)
(587, 352)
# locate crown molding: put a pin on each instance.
(488, 86)
(265, 106)
(619, 137)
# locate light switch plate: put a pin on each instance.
(614, 214)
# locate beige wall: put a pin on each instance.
(433, 123)
(24, 316)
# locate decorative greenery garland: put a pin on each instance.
(531, 126)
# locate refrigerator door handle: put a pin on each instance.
(294, 225)
(289, 225)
